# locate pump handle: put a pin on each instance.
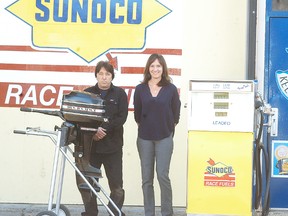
(43, 111)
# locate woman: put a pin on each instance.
(156, 111)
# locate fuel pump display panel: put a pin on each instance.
(221, 106)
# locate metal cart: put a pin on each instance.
(62, 137)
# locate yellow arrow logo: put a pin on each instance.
(89, 28)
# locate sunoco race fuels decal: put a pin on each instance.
(219, 175)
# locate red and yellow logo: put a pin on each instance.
(219, 175)
(89, 28)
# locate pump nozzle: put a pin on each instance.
(258, 104)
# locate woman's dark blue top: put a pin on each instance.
(158, 115)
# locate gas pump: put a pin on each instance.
(220, 147)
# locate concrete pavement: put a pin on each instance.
(75, 210)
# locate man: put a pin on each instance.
(107, 142)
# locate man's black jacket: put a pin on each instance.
(116, 109)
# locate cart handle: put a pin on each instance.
(46, 112)
(19, 132)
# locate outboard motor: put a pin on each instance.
(83, 108)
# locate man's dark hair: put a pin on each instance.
(105, 64)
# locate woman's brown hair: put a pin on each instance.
(165, 78)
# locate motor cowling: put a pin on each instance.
(83, 108)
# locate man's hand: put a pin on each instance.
(100, 134)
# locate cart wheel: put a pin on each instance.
(63, 210)
(46, 213)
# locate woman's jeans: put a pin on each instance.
(161, 152)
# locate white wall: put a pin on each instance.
(214, 47)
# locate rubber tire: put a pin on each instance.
(63, 210)
(46, 213)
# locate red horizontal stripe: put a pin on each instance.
(159, 51)
(146, 51)
(219, 178)
(140, 70)
(35, 67)
(174, 71)
(72, 68)
(164, 51)
(132, 70)
(16, 48)
(225, 177)
(23, 49)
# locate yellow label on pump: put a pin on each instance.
(220, 173)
